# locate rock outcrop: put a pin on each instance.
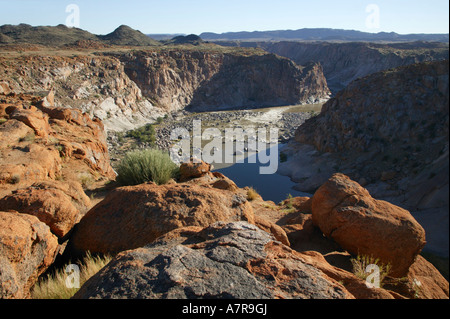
(95, 85)
(134, 216)
(46, 155)
(60, 205)
(224, 260)
(27, 249)
(362, 225)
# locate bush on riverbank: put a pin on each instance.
(150, 165)
(145, 134)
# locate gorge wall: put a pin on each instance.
(344, 62)
(128, 89)
(96, 85)
(390, 131)
(211, 80)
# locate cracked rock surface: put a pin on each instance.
(225, 260)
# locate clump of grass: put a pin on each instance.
(53, 286)
(252, 194)
(150, 165)
(360, 264)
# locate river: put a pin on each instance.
(274, 187)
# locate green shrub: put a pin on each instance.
(150, 165)
(360, 264)
(145, 134)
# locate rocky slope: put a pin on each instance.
(213, 79)
(96, 85)
(48, 157)
(390, 132)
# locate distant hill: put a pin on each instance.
(44, 35)
(62, 35)
(322, 34)
(188, 39)
(124, 35)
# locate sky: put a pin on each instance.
(197, 16)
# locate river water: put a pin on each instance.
(274, 187)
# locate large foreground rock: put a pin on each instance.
(60, 205)
(362, 225)
(27, 249)
(226, 260)
(134, 216)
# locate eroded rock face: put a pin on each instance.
(217, 80)
(226, 260)
(95, 85)
(362, 225)
(27, 249)
(40, 143)
(388, 131)
(134, 216)
(345, 62)
(58, 205)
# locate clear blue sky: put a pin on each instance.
(196, 16)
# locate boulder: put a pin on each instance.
(193, 170)
(59, 205)
(362, 225)
(426, 282)
(27, 249)
(226, 260)
(33, 118)
(134, 216)
(12, 131)
(30, 163)
(273, 229)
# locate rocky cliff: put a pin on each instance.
(211, 80)
(344, 62)
(128, 89)
(390, 131)
(96, 85)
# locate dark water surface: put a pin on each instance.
(274, 187)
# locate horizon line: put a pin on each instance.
(231, 32)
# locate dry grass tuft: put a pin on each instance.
(252, 194)
(54, 285)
